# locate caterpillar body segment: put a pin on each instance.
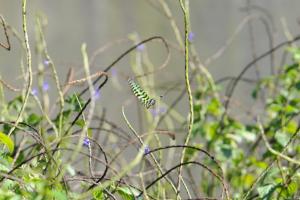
(142, 96)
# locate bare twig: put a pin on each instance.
(5, 46)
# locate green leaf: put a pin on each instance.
(80, 123)
(7, 141)
(265, 192)
(255, 91)
(127, 193)
(16, 103)
(210, 130)
(34, 119)
(98, 195)
(248, 179)
(74, 102)
(197, 107)
(3, 168)
(226, 151)
(292, 188)
(295, 52)
(214, 107)
(281, 138)
(197, 129)
(297, 85)
(57, 194)
(247, 135)
(291, 67)
(291, 127)
(257, 163)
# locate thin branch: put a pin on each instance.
(273, 151)
(29, 67)
(5, 46)
(187, 163)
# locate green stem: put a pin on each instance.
(185, 10)
(29, 68)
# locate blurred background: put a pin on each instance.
(215, 25)
(226, 35)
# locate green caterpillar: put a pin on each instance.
(141, 94)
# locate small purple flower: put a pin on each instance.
(97, 94)
(114, 71)
(191, 36)
(146, 150)
(162, 110)
(46, 86)
(158, 111)
(46, 62)
(34, 92)
(86, 142)
(153, 112)
(141, 47)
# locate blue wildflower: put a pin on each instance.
(46, 62)
(34, 92)
(97, 94)
(146, 150)
(141, 47)
(114, 71)
(153, 112)
(191, 36)
(162, 110)
(158, 111)
(86, 142)
(46, 86)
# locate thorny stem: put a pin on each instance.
(185, 10)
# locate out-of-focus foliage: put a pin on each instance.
(239, 145)
(59, 150)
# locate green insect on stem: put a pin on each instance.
(141, 94)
